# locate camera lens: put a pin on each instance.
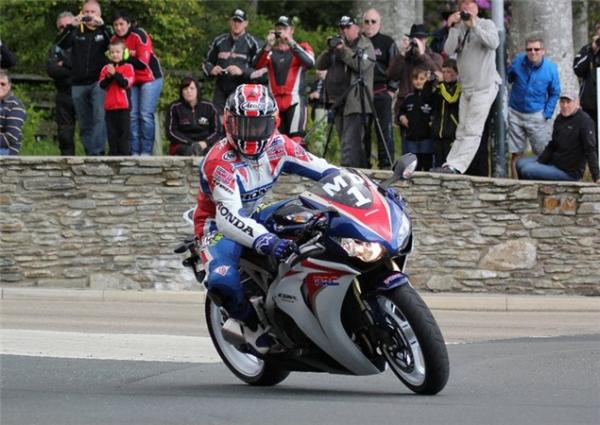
(465, 16)
(277, 34)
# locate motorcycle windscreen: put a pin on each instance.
(345, 187)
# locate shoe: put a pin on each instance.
(237, 333)
(444, 170)
(258, 339)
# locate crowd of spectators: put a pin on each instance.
(440, 94)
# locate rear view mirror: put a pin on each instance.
(403, 169)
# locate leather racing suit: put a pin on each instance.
(231, 188)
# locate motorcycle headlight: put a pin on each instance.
(403, 233)
(365, 251)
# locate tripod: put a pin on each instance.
(359, 85)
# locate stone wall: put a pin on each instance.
(113, 222)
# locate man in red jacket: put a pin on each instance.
(287, 62)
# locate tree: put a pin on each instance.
(553, 22)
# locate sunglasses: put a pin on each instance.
(533, 49)
(370, 21)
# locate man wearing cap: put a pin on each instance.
(287, 62)
(414, 53)
(473, 41)
(343, 59)
(573, 144)
(533, 98)
(229, 59)
(383, 88)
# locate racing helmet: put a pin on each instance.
(250, 119)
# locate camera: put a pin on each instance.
(277, 34)
(334, 41)
(225, 72)
(465, 16)
(86, 18)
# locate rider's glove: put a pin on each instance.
(270, 244)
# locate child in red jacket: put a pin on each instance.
(116, 78)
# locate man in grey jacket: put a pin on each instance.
(343, 59)
(474, 41)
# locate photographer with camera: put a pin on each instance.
(230, 57)
(287, 62)
(414, 53)
(474, 41)
(88, 38)
(59, 67)
(349, 61)
(585, 64)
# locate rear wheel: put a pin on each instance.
(248, 368)
(416, 351)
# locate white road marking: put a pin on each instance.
(79, 345)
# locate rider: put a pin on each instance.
(235, 175)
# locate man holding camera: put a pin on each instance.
(585, 64)
(349, 61)
(414, 53)
(474, 41)
(59, 67)
(383, 88)
(229, 59)
(88, 38)
(287, 62)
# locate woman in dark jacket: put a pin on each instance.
(192, 123)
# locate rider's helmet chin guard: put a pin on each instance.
(251, 117)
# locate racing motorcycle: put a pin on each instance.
(342, 304)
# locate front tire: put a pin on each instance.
(248, 368)
(416, 351)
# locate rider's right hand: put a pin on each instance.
(271, 244)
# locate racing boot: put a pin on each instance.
(253, 334)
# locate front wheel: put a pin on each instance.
(415, 351)
(248, 368)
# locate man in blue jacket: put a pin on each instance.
(535, 91)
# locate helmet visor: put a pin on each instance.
(250, 128)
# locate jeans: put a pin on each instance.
(144, 99)
(5, 152)
(529, 169)
(89, 108)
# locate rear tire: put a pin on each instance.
(248, 368)
(420, 358)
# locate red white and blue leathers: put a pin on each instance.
(231, 188)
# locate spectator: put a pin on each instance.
(444, 115)
(59, 68)
(192, 123)
(12, 118)
(287, 62)
(7, 58)
(535, 91)
(229, 59)
(474, 40)
(383, 88)
(88, 37)
(414, 53)
(343, 59)
(585, 65)
(316, 96)
(573, 143)
(117, 78)
(148, 83)
(415, 117)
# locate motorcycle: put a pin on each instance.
(342, 304)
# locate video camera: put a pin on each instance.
(334, 41)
